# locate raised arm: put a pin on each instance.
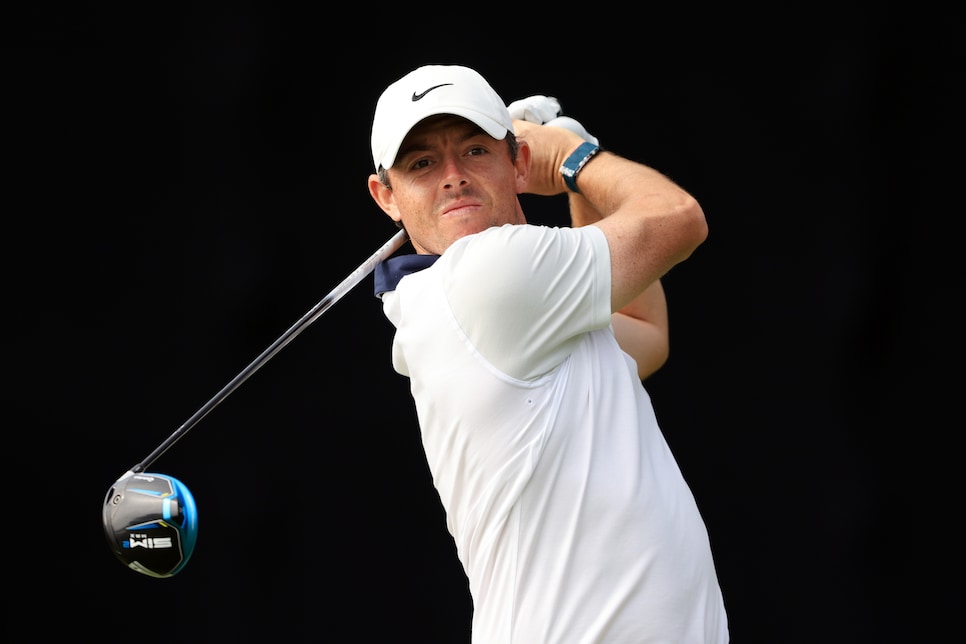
(650, 222)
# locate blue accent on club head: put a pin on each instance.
(189, 524)
(141, 490)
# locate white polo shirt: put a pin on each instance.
(569, 513)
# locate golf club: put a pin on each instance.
(150, 520)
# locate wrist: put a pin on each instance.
(576, 162)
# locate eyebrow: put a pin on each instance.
(417, 144)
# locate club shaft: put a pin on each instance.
(336, 294)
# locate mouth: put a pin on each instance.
(460, 209)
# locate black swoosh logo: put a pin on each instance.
(416, 96)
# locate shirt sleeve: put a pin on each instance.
(524, 294)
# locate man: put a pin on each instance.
(525, 347)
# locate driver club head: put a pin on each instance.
(151, 523)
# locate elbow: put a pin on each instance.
(690, 227)
(695, 222)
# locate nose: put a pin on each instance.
(453, 173)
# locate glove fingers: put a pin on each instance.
(535, 109)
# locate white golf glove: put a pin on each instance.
(535, 109)
(545, 110)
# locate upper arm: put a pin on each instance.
(651, 224)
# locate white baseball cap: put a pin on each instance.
(430, 90)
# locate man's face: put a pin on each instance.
(451, 179)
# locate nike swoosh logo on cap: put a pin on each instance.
(416, 96)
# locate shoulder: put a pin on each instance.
(520, 266)
(515, 250)
(522, 294)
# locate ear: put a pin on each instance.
(383, 197)
(522, 166)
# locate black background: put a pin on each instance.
(184, 184)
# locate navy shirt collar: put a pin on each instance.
(388, 273)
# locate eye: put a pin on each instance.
(419, 164)
(477, 151)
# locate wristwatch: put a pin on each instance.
(575, 163)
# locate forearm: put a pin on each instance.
(582, 212)
(642, 331)
(641, 327)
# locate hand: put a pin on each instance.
(545, 110)
(549, 151)
(549, 148)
